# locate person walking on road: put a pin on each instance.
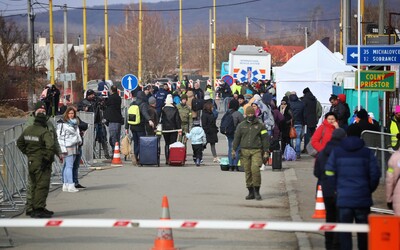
(353, 170)
(237, 118)
(69, 139)
(37, 143)
(170, 120)
(311, 116)
(328, 191)
(186, 116)
(297, 108)
(252, 136)
(198, 138)
(113, 116)
(208, 122)
(392, 183)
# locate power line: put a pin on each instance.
(159, 10)
(294, 21)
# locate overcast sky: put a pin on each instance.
(11, 7)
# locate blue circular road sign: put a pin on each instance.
(129, 82)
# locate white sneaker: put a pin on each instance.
(72, 188)
(65, 187)
(263, 167)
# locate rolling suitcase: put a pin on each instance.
(177, 154)
(149, 148)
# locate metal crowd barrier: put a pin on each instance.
(14, 168)
(380, 142)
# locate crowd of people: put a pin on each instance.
(254, 125)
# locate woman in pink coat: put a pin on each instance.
(392, 183)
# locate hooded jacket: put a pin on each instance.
(197, 135)
(68, 135)
(392, 182)
(354, 173)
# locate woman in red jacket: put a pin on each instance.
(324, 132)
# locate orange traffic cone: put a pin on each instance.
(116, 161)
(164, 240)
(319, 205)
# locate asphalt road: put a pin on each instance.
(202, 193)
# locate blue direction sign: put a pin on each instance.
(373, 55)
(129, 82)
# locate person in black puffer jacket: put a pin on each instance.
(209, 125)
(297, 108)
(310, 117)
(331, 239)
(170, 120)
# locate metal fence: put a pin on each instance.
(14, 168)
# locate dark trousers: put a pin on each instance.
(136, 141)
(169, 138)
(349, 215)
(331, 238)
(197, 151)
(308, 135)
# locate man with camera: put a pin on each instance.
(96, 104)
(113, 116)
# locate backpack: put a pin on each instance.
(227, 125)
(197, 104)
(215, 110)
(268, 119)
(134, 115)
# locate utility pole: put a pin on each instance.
(31, 55)
(210, 50)
(106, 49)
(52, 82)
(215, 41)
(180, 40)
(66, 54)
(140, 43)
(247, 28)
(85, 57)
(381, 22)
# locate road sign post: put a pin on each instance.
(373, 55)
(377, 80)
(129, 82)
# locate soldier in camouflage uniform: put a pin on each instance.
(186, 116)
(40, 107)
(252, 137)
(37, 142)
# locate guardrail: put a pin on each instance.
(14, 168)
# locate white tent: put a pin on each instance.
(312, 68)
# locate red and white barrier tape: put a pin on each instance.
(187, 224)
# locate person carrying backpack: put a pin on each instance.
(137, 118)
(229, 122)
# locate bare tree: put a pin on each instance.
(159, 47)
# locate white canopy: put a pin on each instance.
(312, 68)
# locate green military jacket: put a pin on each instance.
(37, 142)
(50, 127)
(185, 113)
(251, 135)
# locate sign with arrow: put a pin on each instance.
(373, 55)
(129, 82)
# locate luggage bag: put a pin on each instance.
(149, 153)
(177, 154)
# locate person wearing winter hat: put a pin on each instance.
(37, 143)
(284, 109)
(153, 116)
(237, 119)
(198, 138)
(331, 238)
(252, 137)
(170, 120)
(40, 110)
(186, 116)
